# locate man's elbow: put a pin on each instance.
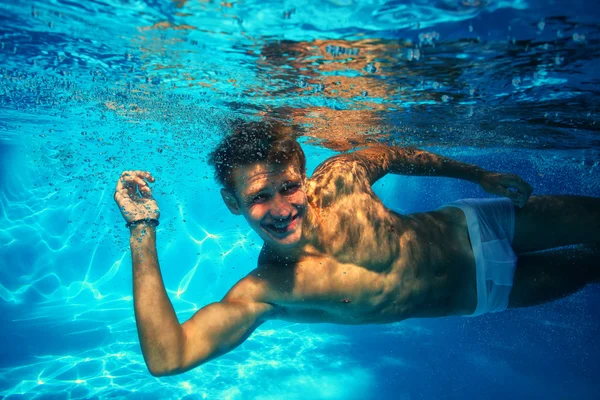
(164, 368)
(166, 358)
(175, 369)
(157, 373)
(160, 372)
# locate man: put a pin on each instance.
(334, 253)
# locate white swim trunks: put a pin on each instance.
(491, 224)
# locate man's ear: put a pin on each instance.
(230, 201)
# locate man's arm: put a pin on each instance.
(161, 336)
(221, 327)
(170, 348)
(376, 162)
(379, 161)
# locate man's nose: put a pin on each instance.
(282, 208)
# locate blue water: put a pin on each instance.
(89, 90)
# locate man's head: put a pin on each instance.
(262, 170)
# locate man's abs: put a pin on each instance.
(442, 256)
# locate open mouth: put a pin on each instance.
(282, 228)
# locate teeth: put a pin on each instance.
(282, 225)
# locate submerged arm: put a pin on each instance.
(376, 162)
(160, 333)
(380, 161)
(171, 348)
(168, 346)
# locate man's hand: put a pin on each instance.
(507, 185)
(134, 197)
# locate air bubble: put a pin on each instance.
(558, 59)
(338, 50)
(370, 68)
(413, 54)
(541, 25)
(428, 37)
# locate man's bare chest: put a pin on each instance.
(366, 280)
(321, 289)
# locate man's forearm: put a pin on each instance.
(160, 333)
(411, 161)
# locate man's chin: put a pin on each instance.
(287, 242)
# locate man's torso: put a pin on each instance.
(367, 264)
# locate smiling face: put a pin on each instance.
(272, 199)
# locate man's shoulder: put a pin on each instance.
(260, 285)
(257, 295)
(337, 176)
(338, 166)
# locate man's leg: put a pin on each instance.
(552, 274)
(547, 222)
(553, 221)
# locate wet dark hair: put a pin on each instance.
(255, 141)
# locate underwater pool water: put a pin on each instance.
(90, 89)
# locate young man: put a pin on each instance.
(334, 253)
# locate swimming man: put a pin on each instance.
(334, 253)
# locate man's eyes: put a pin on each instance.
(292, 187)
(259, 198)
(286, 189)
